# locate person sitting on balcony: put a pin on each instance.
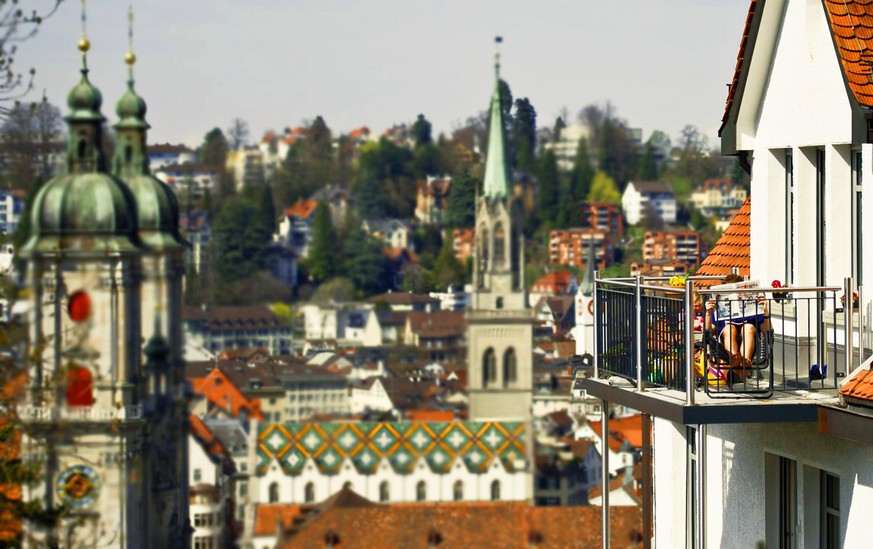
(739, 335)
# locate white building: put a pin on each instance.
(393, 232)
(785, 459)
(454, 298)
(166, 154)
(349, 323)
(189, 181)
(11, 208)
(642, 196)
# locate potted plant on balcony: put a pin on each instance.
(779, 297)
(854, 300)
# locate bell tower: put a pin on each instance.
(500, 323)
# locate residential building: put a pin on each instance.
(247, 167)
(237, 327)
(558, 282)
(431, 198)
(160, 155)
(339, 200)
(11, 208)
(197, 231)
(211, 496)
(438, 335)
(454, 298)
(783, 460)
(718, 195)
(406, 302)
(565, 148)
(394, 233)
(348, 323)
(295, 226)
(571, 247)
(7, 261)
(604, 216)
(658, 267)
(556, 314)
(189, 181)
(463, 241)
(644, 198)
(677, 245)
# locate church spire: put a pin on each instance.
(497, 173)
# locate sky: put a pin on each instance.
(276, 63)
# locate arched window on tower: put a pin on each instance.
(274, 492)
(499, 246)
(459, 491)
(489, 368)
(309, 493)
(79, 386)
(82, 148)
(510, 368)
(384, 492)
(495, 490)
(420, 491)
(128, 153)
(482, 253)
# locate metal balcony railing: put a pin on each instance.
(762, 340)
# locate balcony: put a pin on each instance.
(650, 356)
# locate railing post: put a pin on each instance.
(604, 473)
(596, 330)
(689, 343)
(638, 313)
(847, 315)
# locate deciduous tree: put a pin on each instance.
(604, 189)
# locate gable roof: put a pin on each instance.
(851, 24)
(302, 209)
(652, 187)
(211, 444)
(859, 389)
(554, 281)
(733, 248)
(218, 389)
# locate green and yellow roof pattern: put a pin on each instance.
(403, 445)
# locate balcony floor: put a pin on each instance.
(783, 406)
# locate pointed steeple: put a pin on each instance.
(497, 173)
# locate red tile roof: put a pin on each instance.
(860, 387)
(741, 58)
(302, 208)
(623, 429)
(479, 524)
(220, 391)
(211, 444)
(269, 517)
(733, 248)
(554, 282)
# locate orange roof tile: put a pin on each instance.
(302, 208)
(741, 58)
(430, 415)
(860, 387)
(211, 444)
(220, 391)
(556, 281)
(268, 517)
(733, 248)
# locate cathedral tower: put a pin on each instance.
(500, 324)
(94, 410)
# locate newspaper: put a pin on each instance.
(738, 307)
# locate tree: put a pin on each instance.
(29, 134)
(549, 193)
(421, 131)
(323, 256)
(448, 270)
(238, 134)
(461, 204)
(604, 189)
(648, 166)
(369, 198)
(213, 151)
(335, 290)
(583, 172)
(524, 135)
(241, 244)
(268, 209)
(558, 128)
(427, 161)
(364, 263)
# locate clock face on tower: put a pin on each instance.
(78, 486)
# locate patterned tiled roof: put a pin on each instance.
(732, 250)
(402, 444)
(860, 387)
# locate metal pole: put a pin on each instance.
(861, 326)
(604, 473)
(648, 507)
(596, 329)
(847, 315)
(689, 343)
(701, 486)
(639, 333)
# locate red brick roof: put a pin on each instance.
(479, 524)
(860, 387)
(733, 248)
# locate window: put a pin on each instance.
(830, 511)
(243, 489)
(499, 246)
(420, 491)
(274, 492)
(309, 493)
(384, 492)
(199, 520)
(857, 238)
(489, 368)
(510, 372)
(459, 491)
(789, 218)
(197, 475)
(495, 490)
(780, 501)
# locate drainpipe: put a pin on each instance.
(849, 330)
(701, 486)
(604, 473)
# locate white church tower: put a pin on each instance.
(500, 324)
(583, 330)
(100, 414)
